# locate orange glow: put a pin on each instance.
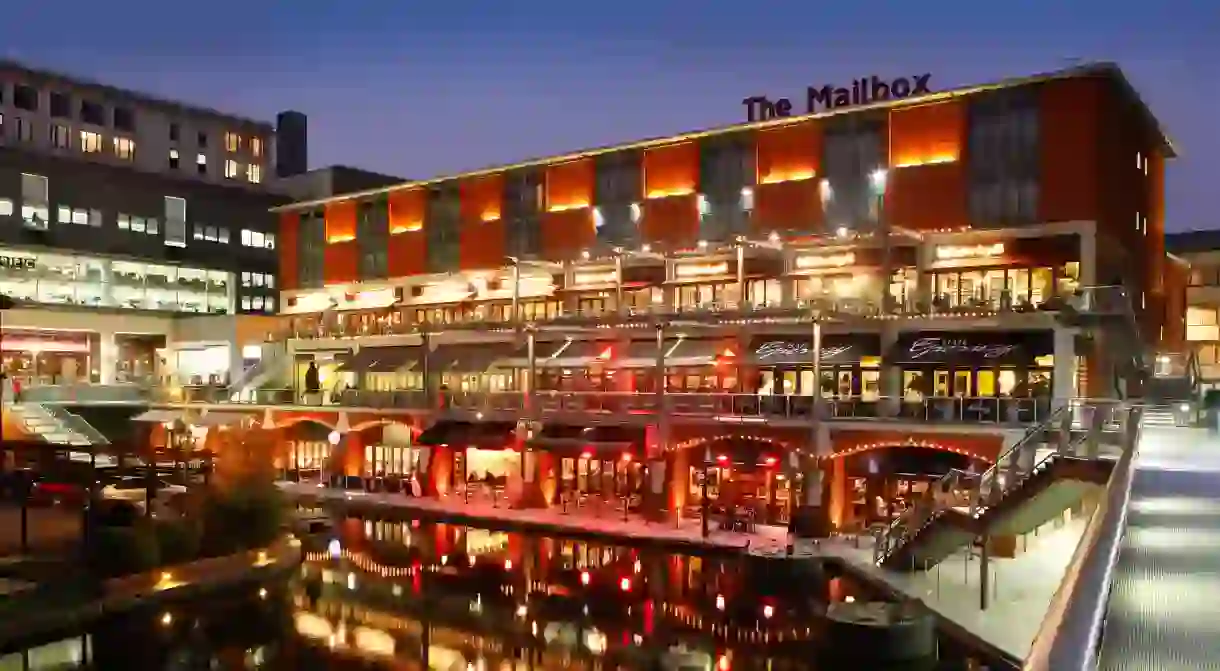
(341, 221)
(335, 239)
(584, 577)
(481, 198)
(407, 210)
(728, 353)
(671, 170)
(670, 193)
(508, 564)
(586, 454)
(606, 353)
(929, 160)
(413, 227)
(566, 207)
(626, 456)
(780, 176)
(625, 584)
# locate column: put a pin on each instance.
(108, 357)
(1063, 384)
(661, 459)
(891, 375)
(536, 467)
(811, 519)
(1088, 257)
(923, 279)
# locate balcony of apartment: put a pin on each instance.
(836, 278)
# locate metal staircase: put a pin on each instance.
(56, 425)
(258, 375)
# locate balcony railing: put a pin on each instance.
(829, 308)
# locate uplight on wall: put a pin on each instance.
(831, 261)
(969, 251)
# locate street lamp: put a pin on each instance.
(333, 438)
(877, 181)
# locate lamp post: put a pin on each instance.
(877, 183)
(333, 438)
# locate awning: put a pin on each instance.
(158, 416)
(597, 439)
(392, 359)
(468, 357)
(544, 355)
(836, 349)
(699, 352)
(972, 348)
(219, 419)
(461, 435)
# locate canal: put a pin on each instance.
(407, 594)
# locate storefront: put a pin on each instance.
(1019, 274)
(974, 367)
(593, 289)
(850, 367)
(603, 462)
(49, 357)
(71, 280)
(745, 481)
(481, 453)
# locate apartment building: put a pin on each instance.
(1200, 252)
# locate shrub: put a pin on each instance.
(239, 518)
(177, 541)
(116, 551)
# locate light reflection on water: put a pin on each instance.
(411, 595)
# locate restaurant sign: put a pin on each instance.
(828, 97)
(784, 350)
(17, 262)
(972, 348)
(936, 349)
(836, 349)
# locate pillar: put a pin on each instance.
(108, 357)
(923, 279)
(812, 516)
(1063, 384)
(677, 466)
(538, 479)
(440, 471)
(891, 375)
(840, 511)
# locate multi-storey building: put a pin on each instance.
(694, 316)
(1201, 251)
(136, 237)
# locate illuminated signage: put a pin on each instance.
(17, 262)
(784, 350)
(937, 347)
(969, 251)
(701, 270)
(604, 277)
(832, 261)
(861, 92)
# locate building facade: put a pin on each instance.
(1198, 254)
(697, 316)
(122, 218)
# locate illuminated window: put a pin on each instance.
(232, 142)
(256, 147)
(173, 159)
(61, 137)
(201, 164)
(6, 207)
(90, 142)
(231, 169)
(255, 173)
(125, 148)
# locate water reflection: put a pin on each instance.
(409, 595)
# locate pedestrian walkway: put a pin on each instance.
(1161, 614)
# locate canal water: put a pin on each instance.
(406, 594)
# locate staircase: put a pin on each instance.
(55, 425)
(271, 364)
(1028, 485)
(1163, 417)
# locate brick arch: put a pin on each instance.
(983, 447)
(384, 421)
(703, 441)
(285, 422)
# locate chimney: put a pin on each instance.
(291, 144)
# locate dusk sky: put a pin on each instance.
(419, 89)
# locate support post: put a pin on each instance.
(985, 573)
(741, 275)
(618, 283)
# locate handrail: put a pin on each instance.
(910, 521)
(1071, 634)
(77, 424)
(991, 487)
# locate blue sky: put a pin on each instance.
(419, 88)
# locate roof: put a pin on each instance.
(129, 94)
(1206, 240)
(1105, 69)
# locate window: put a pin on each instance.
(255, 173)
(78, 216)
(175, 221)
(61, 105)
(125, 148)
(256, 147)
(173, 159)
(260, 280)
(130, 222)
(61, 137)
(90, 142)
(25, 98)
(175, 131)
(6, 207)
(222, 235)
(124, 119)
(25, 130)
(92, 113)
(231, 168)
(201, 164)
(232, 142)
(1201, 324)
(201, 139)
(34, 201)
(258, 239)
(95, 218)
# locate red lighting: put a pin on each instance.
(626, 456)
(625, 584)
(728, 353)
(770, 461)
(586, 455)
(722, 664)
(584, 577)
(768, 611)
(508, 564)
(722, 458)
(606, 353)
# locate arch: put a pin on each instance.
(908, 442)
(703, 441)
(286, 422)
(383, 421)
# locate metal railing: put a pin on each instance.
(1011, 469)
(87, 393)
(76, 424)
(827, 307)
(1071, 633)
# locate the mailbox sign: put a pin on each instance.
(17, 262)
(861, 92)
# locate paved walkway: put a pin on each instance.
(1022, 587)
